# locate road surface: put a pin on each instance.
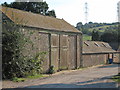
(93, 77)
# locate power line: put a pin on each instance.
(86, 12)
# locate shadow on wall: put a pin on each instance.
(96, 83)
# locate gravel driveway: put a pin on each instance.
(93, 77)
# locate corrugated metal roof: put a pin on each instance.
(96, 47)
(37, 20)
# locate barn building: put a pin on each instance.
(96, 52)
(61, 41)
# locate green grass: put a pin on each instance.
(97, 30)
(116, 78)
(36, 76)
(87, 37)
(102, 27)
(16, 79)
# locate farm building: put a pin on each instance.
(95, 52)
(61, 41)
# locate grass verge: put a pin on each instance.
(16, 79)
(116, 78)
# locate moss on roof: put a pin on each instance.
(36, 20)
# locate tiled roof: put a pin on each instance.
(36, 20)
(96, 47)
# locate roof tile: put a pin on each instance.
(37, 20)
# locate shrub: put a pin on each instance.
(51, 70)
(14, 63)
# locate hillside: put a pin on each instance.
(102, 28)
(87, 37)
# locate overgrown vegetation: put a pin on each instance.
(52, 70)
(16, 79)
(14, 62)
(116, 78)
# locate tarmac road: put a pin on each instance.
(92, 77)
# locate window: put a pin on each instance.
(86, 43)
(97, 44)
(104, 45)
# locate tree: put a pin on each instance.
(95, 35)
(79, 26)
(51, 13)
(110, 36)
(35, 7)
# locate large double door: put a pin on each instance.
(63, 51)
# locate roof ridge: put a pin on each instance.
(38, 21)
(30, 12)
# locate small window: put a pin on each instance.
(86, 43)
(104, 44)
(96, 44)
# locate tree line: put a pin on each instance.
(35, 7)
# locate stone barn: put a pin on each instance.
(95, 53)
(61, 41)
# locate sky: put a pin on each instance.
(73, 11)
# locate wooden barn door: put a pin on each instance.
(43, 44)
(72, 63)
(55, 51)
(63, 52)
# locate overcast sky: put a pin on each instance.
(73, 10)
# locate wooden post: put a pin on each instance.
(81, 47)
(76, 51)
(59, 54)
(49, 51)
(112, 56)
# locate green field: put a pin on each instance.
(86, 37)
(103, 28)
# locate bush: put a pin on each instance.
(110, 36)
(14, 63)
(51, 70)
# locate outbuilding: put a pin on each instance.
(61, 41)
(96, 52)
